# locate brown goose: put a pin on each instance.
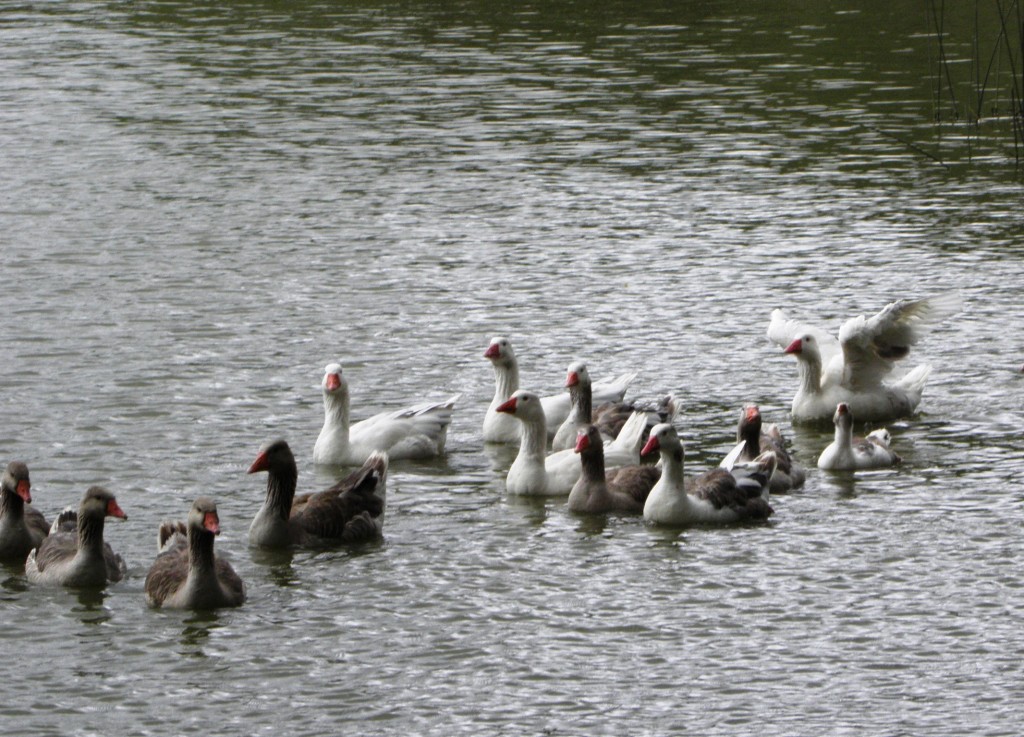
(624, 489)
(21, 527)
(74, 553)
(350, 511)
(186, 573)
(752, 442)
(581, 408)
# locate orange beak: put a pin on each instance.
(115, 511)
(650, 446)
(23, 490)
(260, 464)
(211, 522)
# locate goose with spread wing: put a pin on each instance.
(857, 366)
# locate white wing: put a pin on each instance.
(872, 346)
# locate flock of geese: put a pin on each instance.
(587, 443)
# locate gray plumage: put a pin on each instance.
(74, 553)
(22, 526)
(187, 574)
(351, 511)
(624, 489)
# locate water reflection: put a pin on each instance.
(196, 632)
(501, 456)
(592, 524)
(534, 509)
(15, 580)
(278, 565)
(90, 609)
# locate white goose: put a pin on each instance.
(500, 428)
(414, 432)
(533, 473)
(715, 497)
(854, 368)
(847, 453)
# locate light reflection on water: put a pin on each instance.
(206, 205)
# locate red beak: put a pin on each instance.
(582, 442)
(843, 408)
(753, 413)
(212, 523)
(507, 406)
(795, 347)
(650, 446)
(260, 464)
(23, 490)
(493, 351)
(572, 379)
(333, 382)
(115, 511)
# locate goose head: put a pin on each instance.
(500, 352)
(577, 375)
(333, 381)
(98, 502)
(804, 347)
(843, 417)
(663, 438)
(589, 438)
(750, 423)
(203, 516)
(15, 479)
(523, 404)
(274, 455)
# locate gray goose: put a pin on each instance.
(74, 554)
(22, 526)
(609, 416)
(752, 442)
(351, 511)
(187, 574)
(621, 490)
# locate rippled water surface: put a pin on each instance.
(202, 205)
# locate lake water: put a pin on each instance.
(201, 206)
